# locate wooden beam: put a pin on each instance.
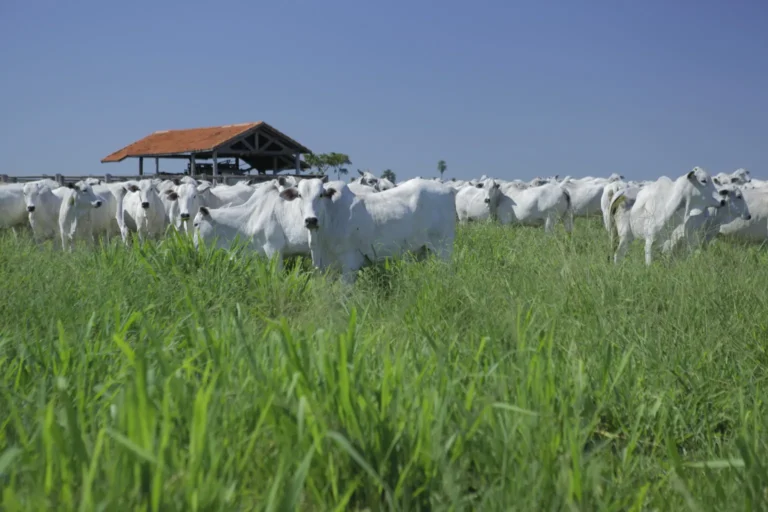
(141, 166)
(297, 161)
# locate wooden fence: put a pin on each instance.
(109, 178)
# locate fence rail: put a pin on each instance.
(228, 179)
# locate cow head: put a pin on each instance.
(315, 198)
(83, 194)
(700, 190)
(189, 200)
(32, 192)
(735, 203)
(367, 178)
(146, 190)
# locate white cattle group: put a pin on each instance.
(342, 226)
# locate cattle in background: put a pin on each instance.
(535, 206)
(659, 208)
(478, 203)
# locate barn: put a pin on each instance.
(258, 145)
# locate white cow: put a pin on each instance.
(755, 229)
(478, 203)
(270, 225)
(108, 220)
(534, 206)
(43, 206)
(143, 210)
(223, 195)
(13, 211)
(703, 225)
(345, 230)
(606, 198)
(379, 184)
(737, 177)
(659, 208)
(75, 220)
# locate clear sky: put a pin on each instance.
(504, 88)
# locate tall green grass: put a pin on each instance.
(528, 374)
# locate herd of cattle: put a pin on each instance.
(344, 225)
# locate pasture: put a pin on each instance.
(530, 373)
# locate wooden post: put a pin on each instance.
(237, 163)
(215, 165)
(157, 165)
(274, 165)
(141, 166)
(107, 178)
(60, 179)
(192, 165)
(298, 163)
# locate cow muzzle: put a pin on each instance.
(747, 217)
(310, 223)
(97, 204)
(722, 203)
(487, 200)
(30, 209)
(184, 216)
(145, 205)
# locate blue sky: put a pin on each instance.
(510, 89)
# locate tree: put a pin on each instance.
(317, 161)
(337, 161)
(441, 167)
(388, 174)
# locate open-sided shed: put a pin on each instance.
(258, 144)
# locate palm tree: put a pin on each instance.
(441, 167)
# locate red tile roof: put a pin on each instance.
(193, 140)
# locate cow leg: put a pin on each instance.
(549, 224)
(568, 221)
(351, 262)
(649, 250)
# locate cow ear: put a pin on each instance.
(203, 187)
(133, 188)
(282, 181)
(691, 174)
(495, 185)
(172, 195)
(289, 194)
(204, 210)
(479, 185)
(176, 181)
(734, 180)
(325, 179)
(361, 172)
(329, 192)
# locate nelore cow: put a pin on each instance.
(654, 211)
(346, 230)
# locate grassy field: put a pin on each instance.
(529, 374)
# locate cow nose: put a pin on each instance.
(30, 208)
(310, 222)
(145, 205)
(722, 202)
(185, 216)
(98, 203)
(747, 217)
(487, 199)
